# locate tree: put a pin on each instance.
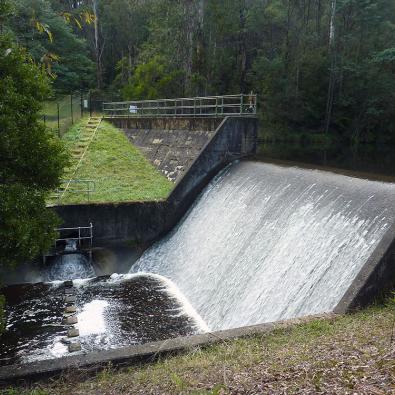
(31, 158)
(73, 68)
(152, 80)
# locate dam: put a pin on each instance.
(265, 242)
(261, 243)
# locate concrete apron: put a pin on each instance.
(148, 352)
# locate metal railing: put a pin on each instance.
(210, 106)
(74, 187)
(83, 232)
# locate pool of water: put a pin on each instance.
(112, 312)
(363, 158)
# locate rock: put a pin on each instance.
(73, 332)
(70, 309)
(71, 320)
(75, 346)
(70, 298)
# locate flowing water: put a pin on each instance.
(69, 266)
(265, 242)
(112, 312)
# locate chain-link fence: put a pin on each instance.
(63, 111)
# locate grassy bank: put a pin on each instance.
(119, 170)
(352, 354)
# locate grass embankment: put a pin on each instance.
(353, 354)
(120, 171)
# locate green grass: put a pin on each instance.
(120, 171)
(348, 354)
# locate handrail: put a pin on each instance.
(80, 237)
(90, 187)
(209, 106)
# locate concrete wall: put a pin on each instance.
(170, 151)
(170, 144)
(376, 278)
(144, 222)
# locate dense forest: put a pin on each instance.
(320, 66)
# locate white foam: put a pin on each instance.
(91, 320)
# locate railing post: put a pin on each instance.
(79, 236)
(71, 108)
(216, 106)
(241, 103)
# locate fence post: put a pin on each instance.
(241, 104)
(90, 104)
(82, 104)
(57, 105)
(71, 108)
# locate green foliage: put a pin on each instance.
(52, 38)
(152, 80)
(31, 159)
(280, 50)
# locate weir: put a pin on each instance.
(264, 243)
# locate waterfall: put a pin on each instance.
(265, 242)
(70, 266)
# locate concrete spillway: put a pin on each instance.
(265, 242)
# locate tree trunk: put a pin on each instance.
(332, 75)
(99, 74)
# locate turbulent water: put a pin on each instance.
(69, 267)
(265, 242)
(112, 312)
